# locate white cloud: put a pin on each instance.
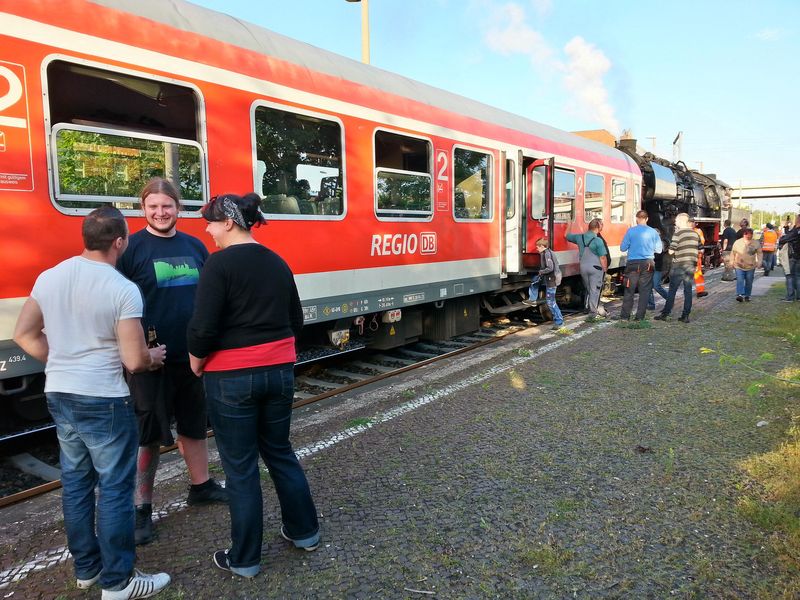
(583, 77)
(542, 7)
(769, 34)
(510, 34)
(582, 67)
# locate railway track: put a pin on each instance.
(319, 376)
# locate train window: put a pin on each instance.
(510, 177)
(564, 196)
(594, 197)
(472, 171)
(112, 131)
(298, 164)
(538, 191)
(619, 196)
(403, 182)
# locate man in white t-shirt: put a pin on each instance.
(83, 321)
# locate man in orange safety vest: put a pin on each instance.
(699, 278)
(769, 244)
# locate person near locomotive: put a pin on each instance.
(769, 244)
(550, 274)
(783, 253)
(593, 265)
(641, 242)
(661, 263)
(743, 224)
(792, 267)
(727, 239)
(684, 250)
(745, 259)
(165, 263)
(242, 342)
(83, 320)
(699, 277)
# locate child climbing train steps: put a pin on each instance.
(550, 275)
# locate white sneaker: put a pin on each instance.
(85, 584)
(141, 585)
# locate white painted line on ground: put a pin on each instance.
(50, 558)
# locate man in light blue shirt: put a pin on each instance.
(641, 243)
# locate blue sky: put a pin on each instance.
(725, 73)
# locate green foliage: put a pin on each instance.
(106, 165)
(285, 140)
(755, 365)
(360, 422)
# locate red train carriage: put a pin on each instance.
(399, 206)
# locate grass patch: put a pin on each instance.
(643, 324)
(360, 422)
(771, 499)
(546, 559)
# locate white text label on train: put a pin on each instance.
(403, 243)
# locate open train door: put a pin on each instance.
(513, 215)
(539, 203)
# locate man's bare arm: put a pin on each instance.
(29, 334)
(133, 350)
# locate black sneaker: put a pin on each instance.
(747, 298)
(309, 548)
(207, 493)
(702, 294)
(220, 559)
(740, 298)
(661, 317)
(143, 534)
(684, 319)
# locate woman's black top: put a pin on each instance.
(246, 296)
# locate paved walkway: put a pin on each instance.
(602, 464)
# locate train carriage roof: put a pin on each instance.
(225, 28)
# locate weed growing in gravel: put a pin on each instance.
(524, 352)
(643, 324)
(669, 464)
(547, 559)
(756, 365)
(360, 422)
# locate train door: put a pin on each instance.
(513, 215)
(539, 186)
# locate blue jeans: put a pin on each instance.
(550, 295)
(744, 282)
(768, 261)
(680, 275)
(98, 438)
(793, 279)
(657, 287)
(251, 412)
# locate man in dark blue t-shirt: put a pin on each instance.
(165, 263)
(727, 239)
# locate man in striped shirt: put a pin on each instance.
(684, 248)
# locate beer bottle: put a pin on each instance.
(152, 338)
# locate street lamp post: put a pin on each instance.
(364, 30)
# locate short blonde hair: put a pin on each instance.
(544, 242)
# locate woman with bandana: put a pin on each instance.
(242, 342)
